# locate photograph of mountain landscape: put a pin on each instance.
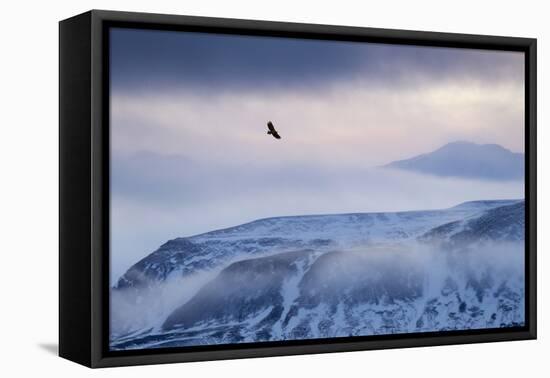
(267, 189)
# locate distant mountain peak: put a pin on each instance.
(467, 160)
(467, 144)
(460, 143)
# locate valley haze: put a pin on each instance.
(190, 197)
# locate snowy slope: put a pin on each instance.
(504, 223)
(338, 275)
(183, 256)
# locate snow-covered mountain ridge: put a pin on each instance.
(183, 256)
(331, 275)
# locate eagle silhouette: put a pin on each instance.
(272, 130)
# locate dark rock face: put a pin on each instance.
(358, 277)
(242, 289)
(506, 223)
(159, 264)
(501, 224)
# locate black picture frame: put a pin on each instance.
(84, 187)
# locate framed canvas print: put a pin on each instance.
(234, 188)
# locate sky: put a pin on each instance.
(189, 147)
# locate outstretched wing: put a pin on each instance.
(272, 130)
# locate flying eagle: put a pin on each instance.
(272, 130)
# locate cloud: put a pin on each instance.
(151, 59)
(346, 123)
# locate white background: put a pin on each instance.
(29, 187)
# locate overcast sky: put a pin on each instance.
(190, 151)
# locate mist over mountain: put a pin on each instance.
(467, 160)
(318, 276)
